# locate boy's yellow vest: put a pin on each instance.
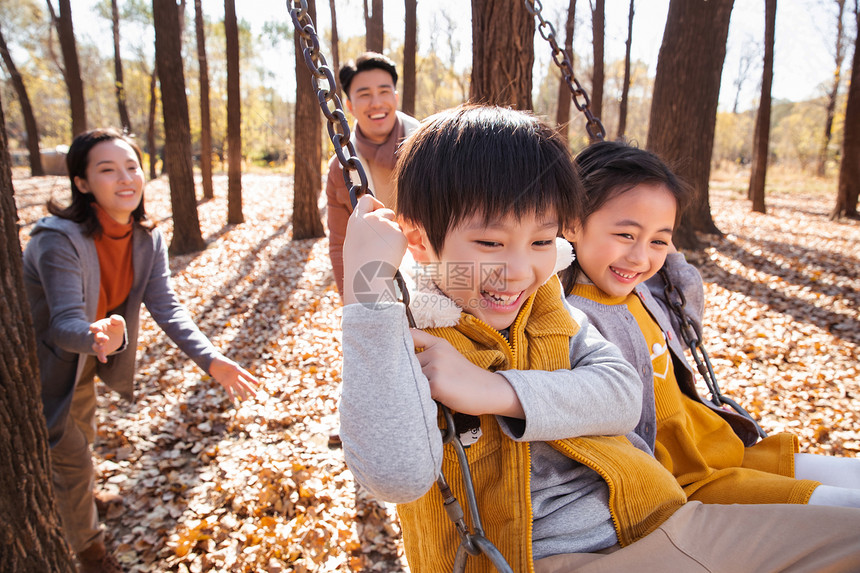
(642, 494)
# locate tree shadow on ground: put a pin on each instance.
(819, 271)
(176, 431)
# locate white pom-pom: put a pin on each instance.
(564, 254)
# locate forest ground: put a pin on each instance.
(193, 482)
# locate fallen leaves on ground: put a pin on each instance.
(196, 483)
(782, 313)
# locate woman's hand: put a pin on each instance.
(108, 335)
(235, 379)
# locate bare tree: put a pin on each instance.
(335, 47)
(598, 23)
(849, 170)
(150, 124)
(181, 10)
(830, 110)
(749, 51)
(119, 86)
(410, 46)
(375, 40)
(761, 139)
(625, 89)
(29, 520)
(205, 119)
(502, 54)
(307, 222)
(562, 114)
(684, 105)
(234, 117)
(177, 129)
(26, 109)
(71, 68)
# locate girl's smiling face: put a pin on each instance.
(625, 242)
(114, 177)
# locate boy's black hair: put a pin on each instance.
(487, 161)
(80, 209)
(366, 61)
(610, 168)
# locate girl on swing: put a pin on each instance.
(632, 204)
(482, 193)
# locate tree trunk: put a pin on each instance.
(205, 120)
(181, 13)
(625, 89)
(502, 54)
(684, 103)
(598, 19)
(26, 109)
(307, 222)
(72, 70)
(150, 124)
(562, 115)
(117, 66)
(410, 46)
(177, 129)
(761, 138)
(834, 90)
(335, 48)
(234, 117)
(849, 170)
(29, 521)
(375, 40)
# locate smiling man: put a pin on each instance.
(370, 85)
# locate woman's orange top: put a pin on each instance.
(116, 268)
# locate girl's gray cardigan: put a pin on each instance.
(619, 326)
(61, 276)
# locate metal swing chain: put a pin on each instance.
(593, 125)
(338, 126)
(691, 333)
(471, 542)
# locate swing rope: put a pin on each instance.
(562, 59)
(472, 542)
(690, 331)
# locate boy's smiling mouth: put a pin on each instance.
(500, 300)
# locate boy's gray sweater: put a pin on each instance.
(394, 448)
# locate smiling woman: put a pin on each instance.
(87, 270)
(115, 179)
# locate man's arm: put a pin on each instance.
(337, 215)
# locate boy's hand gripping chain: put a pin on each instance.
(691, 333)
(471, 542)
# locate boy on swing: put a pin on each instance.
(542, 399)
